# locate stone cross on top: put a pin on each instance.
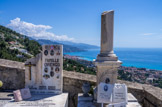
(30, 65)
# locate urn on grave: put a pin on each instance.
(86, 88)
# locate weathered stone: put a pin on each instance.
(44, 73)
(107, 29)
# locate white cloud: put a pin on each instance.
(36, 31)
(147, 34)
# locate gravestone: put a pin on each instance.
(104, 94)
(44, 73)
(119, 93)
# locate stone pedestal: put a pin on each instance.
(107, 71)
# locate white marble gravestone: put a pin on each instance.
(104, 94)
(44, 73)
(119, 93)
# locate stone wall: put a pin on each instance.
(13, 76)
(147, 95)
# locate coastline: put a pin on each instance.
(133, 74)
(82, 59)
(131, 57)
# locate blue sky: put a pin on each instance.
(138, 23)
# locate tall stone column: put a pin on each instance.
(107, 62)
(107, 29)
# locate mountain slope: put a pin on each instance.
(79, 45)
(66, 48)
(17, 47)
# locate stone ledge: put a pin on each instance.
(79, 76)
(11, 64)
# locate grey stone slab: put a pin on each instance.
(6, 95)
(87, 102)
(133, 104)
(39, 101)
(131, 98)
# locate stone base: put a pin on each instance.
(38, 100)
(107, 57)
(87, 101)
(107, 70)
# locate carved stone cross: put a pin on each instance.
(30, 65)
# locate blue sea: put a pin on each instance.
(137, 57)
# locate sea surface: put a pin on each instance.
(137, 57)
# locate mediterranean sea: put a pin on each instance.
(150, 58)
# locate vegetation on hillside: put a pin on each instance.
(124, 75)
(17, 47)
(71, 65)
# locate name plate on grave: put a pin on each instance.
(120, 93)
(104, 94)
(52, 68)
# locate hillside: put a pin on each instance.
(67, 48)
(17, 47)
(80, 45)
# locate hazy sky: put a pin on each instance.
(138, 23)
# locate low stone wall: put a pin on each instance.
(13, 76)
(147, 95)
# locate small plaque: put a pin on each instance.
(120, 93)
(57, 76)
(57, 69)
(45, 69)
(42, 87)
(17, 95)
(52, 73)
(25, 93)
(51, 88)
(58, 53)
(52, 52)
(46, 76)
(45, 52)
(104, 94)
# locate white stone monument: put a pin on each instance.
(107, 65)
(107, 62)
(109, 92)
(44, 73)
